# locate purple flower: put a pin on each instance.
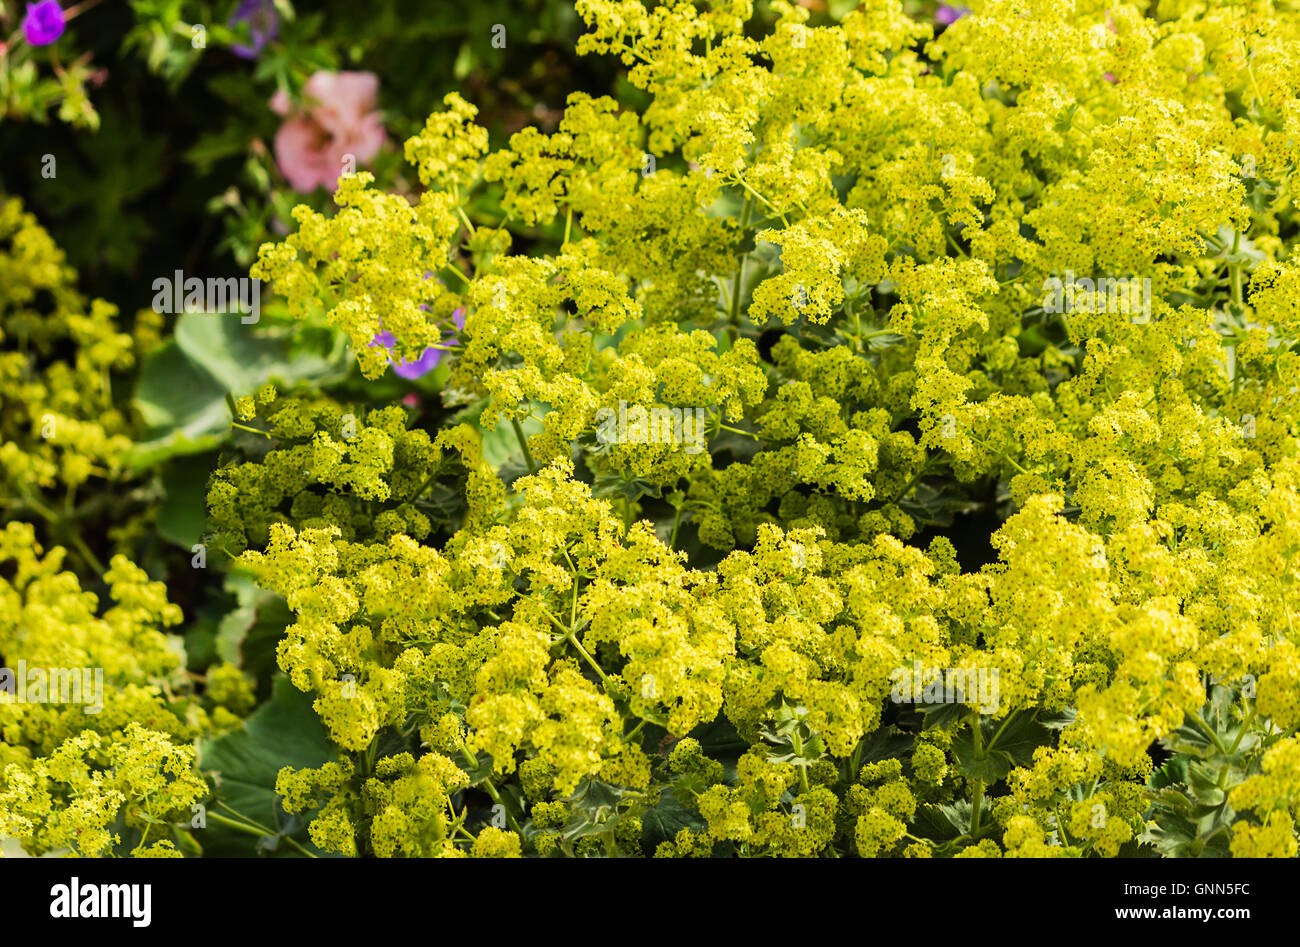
(44, 22)
(947, 16)
(421, 366)
(263, 25)
(428, 361)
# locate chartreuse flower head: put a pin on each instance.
(877, 445)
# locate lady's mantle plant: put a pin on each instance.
(838, 241)
(849, 247)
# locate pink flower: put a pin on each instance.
(339, 120)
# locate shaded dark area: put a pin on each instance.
(969, 534)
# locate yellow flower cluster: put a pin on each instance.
(872, 290)
(63, 428)
(852, 256)
(108, 745)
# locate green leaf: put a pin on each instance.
(614, 485)
(200, 638)
(215, 145)
(1058, 720)
(183, 514)
(941, 715)
(719, 738)
(884, 340)
(989, 766)
(1177, 837)
(183, 408)
(464, 62)
(1246, 254)
(183, 385)
(481, 771)
(243, 357)
(596, 807)
(1020, 738)
(885, 743)
(942, 822)
(1174, 800)
(792, 741)
(248, 634)
(1173, 773)
(1172, 835)
(989, 769)
(1065, 119)
(666, 818)
(244, 764)
(1203, 778)
(500, 445)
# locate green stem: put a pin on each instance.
(572, 638)
(1218, 744)
(981, 753)
(1011, 462)
(245, 819)
(611, 846)
(84, 551)
(63, 528)
(911, 483)
(77, 9)
(424, 486)
(1245, 725)
(734, 430)
(770, 206)
(738, 282)
(492, 790)
(854, 762)
(40, 507)
(1285, 734)
(144, 837)
(999, 732)
(523, 444)
(733, 316)
(1060, 827)
(251, 430)
(253, 830)
(677, 519)
(952, 242)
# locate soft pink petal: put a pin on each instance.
(362, 141)
(340, 120)
(299, 154)
(280, 104)
(341, 99)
